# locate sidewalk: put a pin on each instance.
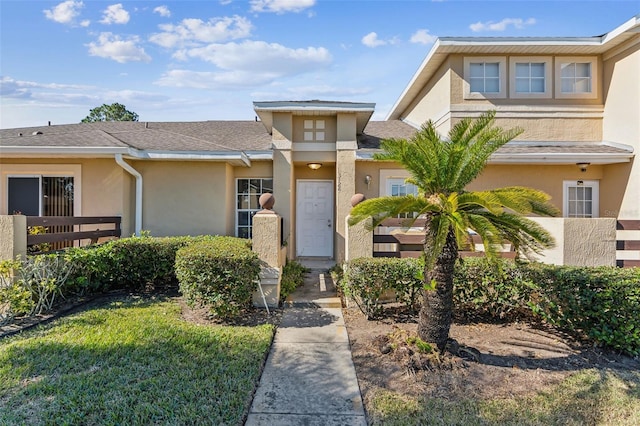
(309, 377)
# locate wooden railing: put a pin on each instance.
(626, 246)
(112, 223)
(410, 243)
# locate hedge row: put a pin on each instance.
(227, 266)
(600, 303)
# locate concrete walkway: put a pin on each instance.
(309, 378)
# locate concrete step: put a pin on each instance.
(318, 290)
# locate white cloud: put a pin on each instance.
(281, 6)
(114, 47)
(162, 11)
(372, 40)
(313, 92)
(114, 14)
(262, 57)
(517, 23)
(193, 30)
(65, 12)
(247, 64)
(85, 23)
(423, 37)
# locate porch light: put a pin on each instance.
(583, 166)
(314, 166)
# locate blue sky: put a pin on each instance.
(208, 60)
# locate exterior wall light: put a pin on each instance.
(583, 166)
(314, 166)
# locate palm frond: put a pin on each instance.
(385, 207)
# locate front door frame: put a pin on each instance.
(329, 251)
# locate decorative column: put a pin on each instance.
(266, 242)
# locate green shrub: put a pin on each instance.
(367, 280)
(132, 263)
(220, 274)
(15, 300)
(499, 289)
(292, 278)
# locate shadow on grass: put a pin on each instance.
(131, 361)
(587, 398)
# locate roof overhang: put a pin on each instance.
(362, 110)
(446, 46)
(234, 158)
(550, 153)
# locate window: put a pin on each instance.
(397, 187)
(530, 77)
(248, 191)
(313, 130)
(40, 195)
(581, 198)
(576, 77)
(484, 77)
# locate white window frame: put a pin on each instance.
(548, 66)
(594, 77)
(595, 195)
(502, 77)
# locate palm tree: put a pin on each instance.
(441, 169)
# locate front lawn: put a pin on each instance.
(132, 361)
(589, 397)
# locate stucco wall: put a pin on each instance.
(185, 198)
(104, 186)
(330, 127)
(622, 115)
(434, 100)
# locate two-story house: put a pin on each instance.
(577, 99)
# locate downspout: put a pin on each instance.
(138, 176)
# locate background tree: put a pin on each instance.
(113, 112)
(441, 169)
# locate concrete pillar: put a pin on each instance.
(13, 236)
(267, 244)
(359, 239)
(346, 146)
(580, 242)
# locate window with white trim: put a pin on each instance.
(576, 77)
(314, 130)
(248, 192)
(581, 198)
(530, 77)
(484, 77)
(398, 187)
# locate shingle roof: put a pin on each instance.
(378, 130)
(212, 136)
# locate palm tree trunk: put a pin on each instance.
(435, 315)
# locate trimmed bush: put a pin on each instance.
(601, 304)
(135, 263)
(368, 280)
(220, 274)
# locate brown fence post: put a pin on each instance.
(13, 236)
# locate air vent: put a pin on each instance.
(37, 132)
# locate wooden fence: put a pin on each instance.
(393, 239)
(61, 229)
(627, 246)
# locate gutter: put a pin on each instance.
(126, 166)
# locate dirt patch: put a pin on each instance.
(496, 360)
(248, 317)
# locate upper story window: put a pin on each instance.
(484, 77)
(576, 77)
(530, 77)
(314, 130)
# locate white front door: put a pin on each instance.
(314, 218)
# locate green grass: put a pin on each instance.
(133, 361)
(589, 397)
